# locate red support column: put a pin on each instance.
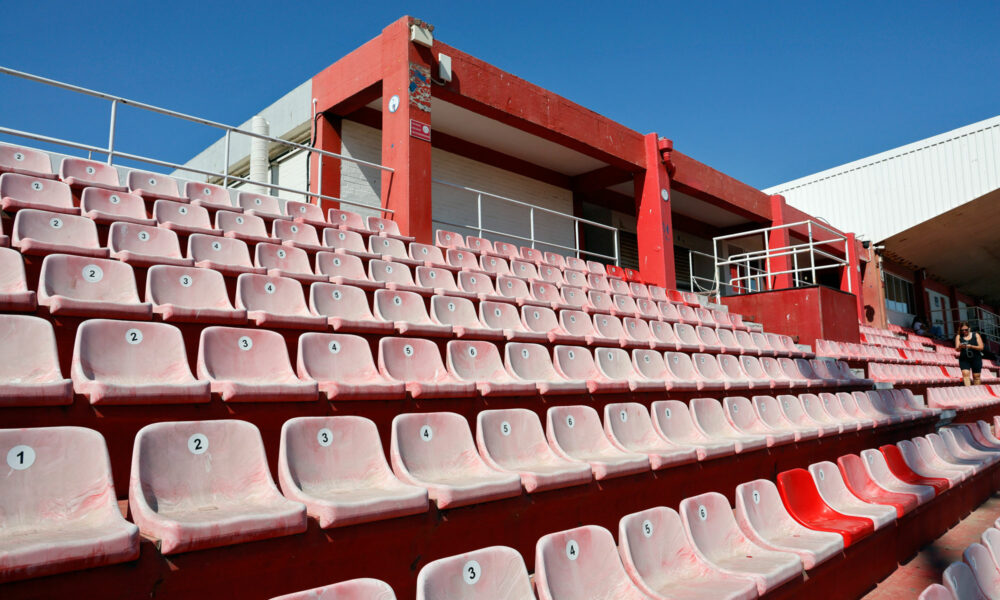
(654, 226)
(324, 175)
(406, 77)
(777, 239)
(850, 278)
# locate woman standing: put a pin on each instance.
(970, 357)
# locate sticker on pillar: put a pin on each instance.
(394, 103)
(421, 131)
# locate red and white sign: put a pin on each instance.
(421, 131)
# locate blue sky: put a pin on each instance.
(763, 91)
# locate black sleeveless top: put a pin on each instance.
(969, 352)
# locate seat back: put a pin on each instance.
(672, 420)
(276, 295)
(650, 364)
(575, 429)
(36, 190)
(494, 573)
(259, 203)
(27, 351)
(499, 315)
(284, 258)
(112, 203)
(410, 359)
(460, 257)
(221, 250)
(390, 272)
(662, 332)
(228, 221)
(611, 327)
(551, 274)
(961, 582)
(475, 361)
(679, 366)
(576, 322)
(318, 453)
(450, 310)
(575, 362)
(575, 278)
(581, 563)
(208, 194)
(291, 231)
(335, 357)
(380, 225)
(12, 277)
(143, 239)
(614, 363)
(511, 437)
(505, 249)
(436, 278)
(187, 286)
(524, 270)
(407, 307)
(345, 218)
(55, 228)
(435, 443)
(185, 215)
(478, 244)
(340, 265)
(652, 541)
(532, 255)
(83, 172)
(530, 362)
(85, 278)
(494, 265)
(385, 246)
(599, 282)
(449, 239)
(17, 159)
(426, 252)
(305, 211)
(231, 353)
(130, 352)
(539, 318)
(153, 184)
(556, 260)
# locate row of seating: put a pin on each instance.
(963, 397)
(138, 362)
(870, 353)
(916, 375)
(976, 576)
(708, 548)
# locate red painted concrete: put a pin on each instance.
(779, 238)
(805, 314)
(720, 189)
(328, 137)
(654, 228)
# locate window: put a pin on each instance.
(899, 295)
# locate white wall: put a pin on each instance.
(357, 183)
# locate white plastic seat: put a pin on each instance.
(576, 362)
(729, 342)
(834, 405)
(58, 509)
(713, 376)
(275, 302)
(247, 227)
(578, 323)
(250, 365)
(106, 207)
(663, 334)
(813, 407)
(296, 235)
(343, 368)
(741, 415)
(938, 457)
(210, 197)
(29, 366)
(436, 451)
(878, 471)
(629, 428)
(718, 540)
(345, 270)
(672, 421)
(145, 246)
(512, 440)
(79, 173)
(89, 287)
(659, 558)
(460, 315)
(924, 467)
(575, 433)
(764, 519)
(14, 292)
(531, 362)
(305, 212)
(834, 491)
(479, 362)
(936, 591)
(406, 311)
(984, 568)
(503, 317)
(417, 363)
(630, 332)
(38, 232)
(228, 256)
(336, 468)
(682, 375)
(708, 417)
(25, 191)
(769, 411)
(961, 582)
(202, 484)
(615, 364)
(791, 407)
(543, 320)
(495, 573)
(582, 563)
(285, 261)
(748, 369)
(345, 308)
(183, 218)
(25, 161)
(259, 205)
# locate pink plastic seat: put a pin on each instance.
(531, 362)
(615, 364)
(575, 279)
(575, 433)
(567, 297)
(449, 239)
(336, 468)
(436, 451)
(713, 377)
(577, 264)
(275, 302)
(649, 366)
(791, 407)
(82, 286)
(305, 212)
(512, 289)
(460, 315)
(961, 582)
(741, 415)
(708, 417)
(495, 573)
(504, 318)
(417, 363)
(396, 277)
(624, 306)
(687, 338)
(24, 191)
(833, 489)
(512, 440)
(285, 261)
(762, 344)
(709, 339)
(345, 270)
(543, 320)
(153, 186)
(361, 589)
(347, 242)
(345, 309)
(210, 197)
(748, 370)
(246, 227)
(834, 405)
(617, 282)
(479, 363)
(582, 563)
(202, 484)
(29, 367)
(663, 334)
(628, 427)
(128, 362)
(525, 270)
(343, 368)
(407, 313)
(106, 207)
(630, 332)
(296, 235)
(746, 342)
(386, 228)
(39, 233)
(762, 516)
(552, 275)
(599, 282)
(228, 256)
(647, 308)
(769, 410)
(814, 408)
(682, 375)
(190, 295)
(598, 302)
(145, 246)
(183, 218)
(462, 259)
(495, 266)
(718, 540)
(250, 365)
(660, 560)
(579, 324)
(442, 282)
(346, 220)
(794, 374)
(507, 250)
(80, 173)
(259, 205)
(14, 292)
(672, 421)
(429, 256)
(58, 509)
(25, 161)
(391, 250)
(576, 362)
(480, 285)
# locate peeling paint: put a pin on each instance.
(420, 87)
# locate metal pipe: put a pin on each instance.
(531, 225)
(479, 213)
(225, 178)
(111, 131)
(617, 252)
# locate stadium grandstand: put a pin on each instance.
(422, 329)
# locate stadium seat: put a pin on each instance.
(578, 264)
(921, 447)
(571, 297)
(663, 334)
(647, 309)
(712, 377)
(250, 365)
(746, 342)
(106, 207)
(936, 591)
(624, 306)
(84, 287)
(745, 371)
(430, 256)
(512, 440)
(661, 561)
(687, 338)
(577, 363)
(347, 242)
(442, 282)
(672, 421)
(961, 582)
(741, 415)
(39, 233)
(918, 473)
(984, 568)
(336, 468)
(727, 340)
(285, 261)
(228, 256)
(850, 402)
(556, 260)
(396, 277)
(363, 588)
(708, 418)
(462, 259)
(449, 239)
(629, 428)
(579, 324)
(306, 213)
(791, 408)
(575, 279)
(347, 221)
(531, 362)
(495, 266)
(190, 295)
(762, 344)
(343, 368)
(582, 563)
(275, 302)
(804, 503)
(345, 270)
(460, 315)
(794, 374)
(210, 197)
(154, 186)
(435, 451)
(494, 573)
(575, 433)
(391, 250)
(129, 362)
(878, 470)
(507, 250)
(345, 308)
(769, 410)
(959, 448)
(834, 491)
(296, 235)
(814, 409)
(23, 191)
(246, 227)
(681, 373)
(417, 363)
(991, 539)
(79, 173)
(479, 362)
(58, 508)
(202, 484)
(630, 332)
(764, 519)
(649, 365)
(259, 205)
(835, 406)
(860, 483)
(543, 320)
(480, 285)
(406, 311)
(551, 275)
(503, 317)
(512, 289)
(183, 218)
(524, 270)
(615, 364)
(145, 246)
(387, 228)
(29, 367)
(717, 539)
(14, 292)
(25, 161)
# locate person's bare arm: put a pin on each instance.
(958, 342)
(979, 344)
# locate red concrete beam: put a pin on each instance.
(718, 188)
(351, 75)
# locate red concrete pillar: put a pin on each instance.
(777, 239)
(406, 130)
(654, 225)
(850, 278)
(324, 175)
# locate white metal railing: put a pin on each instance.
(984, 322)
(531, 237)
(701, 283)
(111, 152)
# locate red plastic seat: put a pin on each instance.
(259, 205)
(460, 315)
(25, 161)
(247, 227)
(407, 313)
(343, 368)
(435, 450)
(228, 256)
(803, 502)
(345, 270)
(58, 509)
(275, 302)
(834, 491)
(387, 228)
(863, 486)
(145, 246)
(479, 363)
(672, 420)
(183, 218)
(250, 365)
(503, 317)
(79, 173)
(582, 563)
(39, 233)
(25, 191)
(29, 367)
(296, 235)
(14, 292)
(630, 429)
(495, 573)
(531, 362)
(575, 433)
(84, 287)
(202, 484)
(347, 220)
(417, 363)
(106, 207)
(210, 197)
(305, 212)
(345, 309)
(190, 295)
(336, 468)
(285, 261)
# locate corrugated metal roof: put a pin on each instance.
(889, 192)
